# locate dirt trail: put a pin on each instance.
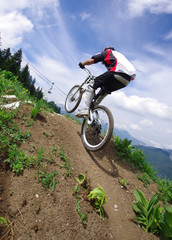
(56, 216)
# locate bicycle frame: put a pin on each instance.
(99, 118)
(87, 80)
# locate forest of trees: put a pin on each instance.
(12, 62)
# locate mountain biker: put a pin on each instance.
(120, 73)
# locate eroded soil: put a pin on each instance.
(38, 213)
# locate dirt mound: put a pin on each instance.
(38, 213)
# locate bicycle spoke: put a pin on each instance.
(73, 99)
(97, 131)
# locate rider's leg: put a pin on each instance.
(107, 80)
(89, 94)
(100, 99)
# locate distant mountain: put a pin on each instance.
(160, 160)
(124, 134)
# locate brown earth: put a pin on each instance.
(38, 213)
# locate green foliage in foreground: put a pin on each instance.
(144, 178)
(48, 180)
(3, 221)
(82, 216)
(37, 108)
(165, 190)
(151, 216)
(148, 214)
(135, 157)
(66, 160)
(99, 198)
(10, 138)
(9, 85)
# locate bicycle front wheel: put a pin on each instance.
(98, 129)
(73, 99)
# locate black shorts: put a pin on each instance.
(108, 81)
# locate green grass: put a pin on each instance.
(151, 216)
(9, 85)
(135, 157)
(48, 180)
(66, 160)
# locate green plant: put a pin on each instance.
(37, 108)
(53, 150)
(18, 159)
(40, 156)
(123, 147)
(48, 180)
(78, 207)
(165, 223)
(30, 122)
(99, 198)
(73, 118)
(148, 213)
(165, 190)
(76, 189)
(45, 134)
(135, 157)
(124, 182)
(3, 221)
(10, 85)
(144, 178)
(6, 116)
(11, 193)
(82, 179)
(65, 159)
(82, 216)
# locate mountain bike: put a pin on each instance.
(97, 127)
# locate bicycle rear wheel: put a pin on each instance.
(97, 130)
(73, 99)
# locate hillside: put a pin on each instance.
(37, 212)
(160, 160)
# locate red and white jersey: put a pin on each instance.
(115, 61)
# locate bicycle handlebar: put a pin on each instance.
(88, 71)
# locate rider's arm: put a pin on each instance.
(88, 62)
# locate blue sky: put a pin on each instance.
(55, 35)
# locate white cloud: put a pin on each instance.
(10, 6)
(154, 143)
(84, 16)
(169, 36)
(14, 32)
(146, 123)
(135, 127)
(138, 7)
(155, 49)
(73, 17)
(142, 106)
(153, 74)
(13, 21)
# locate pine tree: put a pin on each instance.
(15, 63)
(12, 63)
(5, 56)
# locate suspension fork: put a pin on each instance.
(81, 89)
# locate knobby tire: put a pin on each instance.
(88, 138)
(74, 102)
